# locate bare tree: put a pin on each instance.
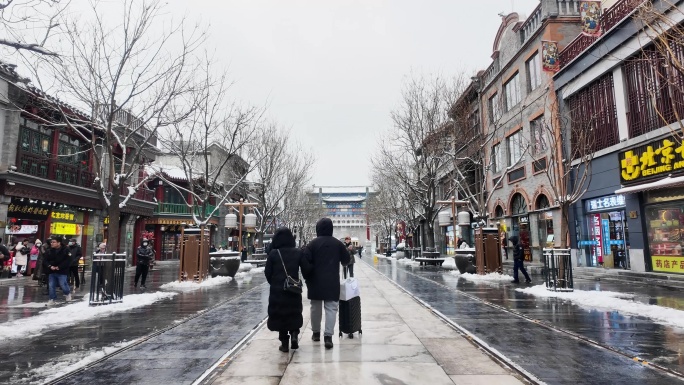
(281, 168)
(206, 145)
(571, 141)
(416, 151)
(300, 212)
(387, 207)
(133, 74)
(26, 25)
(660, 66)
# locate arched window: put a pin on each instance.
(518, 205)
(542, 202)
(498, 212)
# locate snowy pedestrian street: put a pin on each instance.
(598, 333)
(38, 344)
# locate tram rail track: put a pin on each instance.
(549, 326)
(150, 336)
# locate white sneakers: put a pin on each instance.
(51, 302)
(68, 298)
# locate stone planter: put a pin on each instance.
(465, 263)
(224, 263)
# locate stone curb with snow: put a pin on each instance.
(74, 313)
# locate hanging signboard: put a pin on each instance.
(24, 208)
(550, 56)
(651, 160)
(590, 17)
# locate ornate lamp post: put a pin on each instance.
(444, 215)
(233, 221)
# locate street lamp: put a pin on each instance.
(444, 215)
(233, 221)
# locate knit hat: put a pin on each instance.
(38, 242)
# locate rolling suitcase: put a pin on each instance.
(350, 316)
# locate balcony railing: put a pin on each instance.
(609, 18)
(47, 168)
(182, 209)
(141, 194)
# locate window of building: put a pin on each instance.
(593, 116)
(538, 136)
(494, 108)
(512, 94)
(497, 158)
(515, 148)
(498, 212)
(655, 95)
(533, 66)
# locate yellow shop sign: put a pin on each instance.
(661, 157)
(62, 228)
(668, 263)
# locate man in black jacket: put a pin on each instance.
(325, 253)
(58, 262)
(144, 254)
(518, 258)
(76, 253)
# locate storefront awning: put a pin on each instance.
(663, 183)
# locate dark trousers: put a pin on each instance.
(518, 264)
(283, 336)
(349, 267)
(73, 271)
(141, 270)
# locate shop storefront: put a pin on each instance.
(607, 236)
(664, 216)
(654, 172)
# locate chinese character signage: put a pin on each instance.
(654, 159)
(596, 232)
(550, 56)
(590, 16)
(27, 209)
(62, 216)
(668, 263)
(606, 203)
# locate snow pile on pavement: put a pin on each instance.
(612, 301)
(69, 363)
(408, 262)
(491, 277)
(245, 267)
(192, 285)
(257, 270)
(74, 313)
(449, 263)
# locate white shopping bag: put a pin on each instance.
(349, 288)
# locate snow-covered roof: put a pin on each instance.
(340, 189)
(171, 172)
(344, 199)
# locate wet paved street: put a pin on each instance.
(528, 330)
(28, 360)
(554, 357)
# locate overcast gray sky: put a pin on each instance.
(332, 70)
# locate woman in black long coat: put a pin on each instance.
(284, 307)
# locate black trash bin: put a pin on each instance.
(107, 278)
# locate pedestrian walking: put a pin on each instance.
(518, 260)
(325, 253)
(285, 305)
(33, 258)
(39, 253)
(144, 255)
(21, 256)
(58, 261)
(349, 267)
(76, 254)
(5, 257)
